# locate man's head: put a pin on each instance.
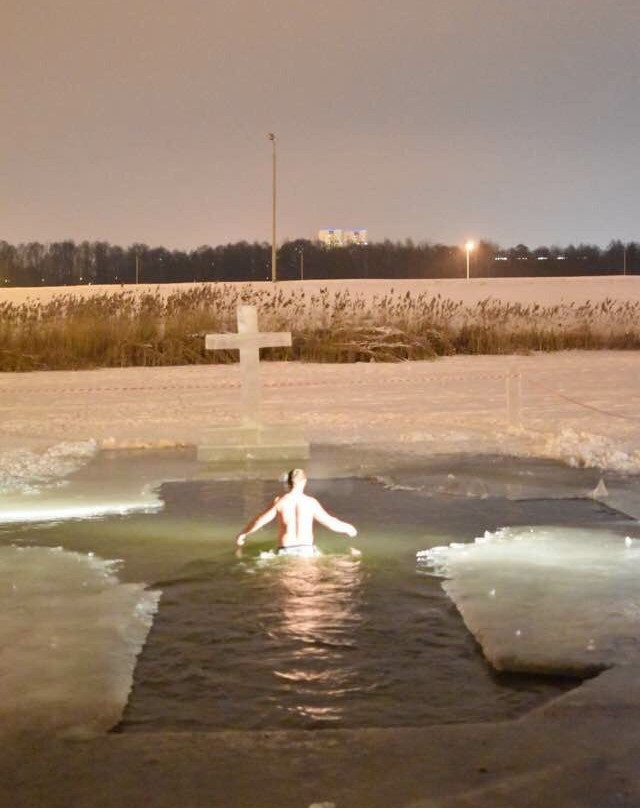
(296, 478)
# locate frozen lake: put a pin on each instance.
(287, 643)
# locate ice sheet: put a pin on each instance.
(546, 600)
(72, 481)
(70, 633)
(481, 476)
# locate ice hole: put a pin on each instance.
(338, 642)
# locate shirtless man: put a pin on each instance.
(296, 512)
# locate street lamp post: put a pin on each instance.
(468, 247)
(272, 138)
(624, 259)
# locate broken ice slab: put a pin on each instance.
(554, 600)
(70, 635)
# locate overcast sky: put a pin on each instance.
(146, 120)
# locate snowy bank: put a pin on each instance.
(526, 291)
(579, 407)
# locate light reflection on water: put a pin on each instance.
(317, 610)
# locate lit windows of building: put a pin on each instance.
(337, 237)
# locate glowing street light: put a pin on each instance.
(469, 246)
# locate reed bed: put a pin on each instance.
(128, 329)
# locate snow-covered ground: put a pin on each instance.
(544, 291)
(579, 407)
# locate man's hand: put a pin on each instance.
(352, 532)
(240, 539)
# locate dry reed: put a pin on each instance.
(122, 328)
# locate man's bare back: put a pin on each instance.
(296, 513)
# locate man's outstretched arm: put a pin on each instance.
(255, 524)
(337, 525)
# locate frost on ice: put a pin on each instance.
(70, 634)
(586, 450)
(546, 600)
(28, 472)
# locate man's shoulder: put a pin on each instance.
(282, 499)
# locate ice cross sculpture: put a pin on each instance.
(248, 341)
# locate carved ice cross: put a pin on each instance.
(248, 341)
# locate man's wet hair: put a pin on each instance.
(294, 476)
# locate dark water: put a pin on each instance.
(336, 641)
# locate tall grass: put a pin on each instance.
(124, 328)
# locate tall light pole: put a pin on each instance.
(624, 259)
(272, 138)
(468, 247)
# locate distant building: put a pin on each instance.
(341, 238)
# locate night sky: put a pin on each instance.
(146, 120)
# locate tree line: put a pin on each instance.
(66, 262)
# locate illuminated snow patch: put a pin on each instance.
(546, 600)
(70, 634)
